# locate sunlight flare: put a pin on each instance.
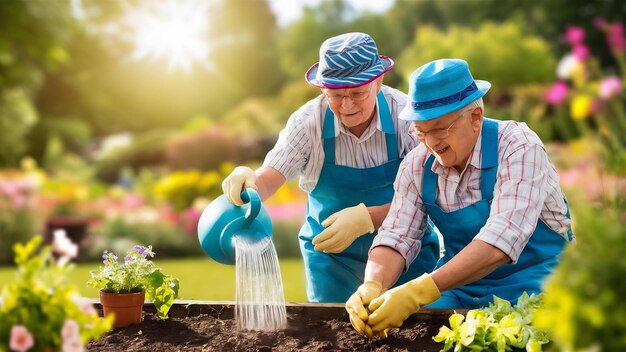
(171, 31)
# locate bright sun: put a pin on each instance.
(172, 31)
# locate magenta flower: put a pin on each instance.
(599, 22)
(609, 87)
(21, 339)
(574, 35)
(616, 38)
(557, 94)
(580, 52)
(614, 34)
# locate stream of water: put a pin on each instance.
(259, 286)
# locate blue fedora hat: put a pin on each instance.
(346, 61)
(440, 87)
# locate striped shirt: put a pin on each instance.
(526, 189)
(299, 150)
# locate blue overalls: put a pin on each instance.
(335, 277)
(459, 227)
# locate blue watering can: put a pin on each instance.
(221, 221)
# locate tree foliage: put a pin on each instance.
(501, 54)
(69, 68)
(33, 35)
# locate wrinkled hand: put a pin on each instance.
(391, 309)
(342, 228)
(242, 177)
(356, 306)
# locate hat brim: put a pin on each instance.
(311, 75)
(410, 114)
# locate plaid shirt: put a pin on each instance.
(527, 189)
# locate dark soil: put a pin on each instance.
(310, 328)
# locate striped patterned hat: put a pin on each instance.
(346, 61)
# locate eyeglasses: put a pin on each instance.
(355, 96)
(439, 133)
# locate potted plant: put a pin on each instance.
(40, 310)
(125, 286)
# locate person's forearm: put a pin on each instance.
(378, 214)
(384, 265)
(474, 262)
(268, 181)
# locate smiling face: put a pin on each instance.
(354, 113)
(451, 138)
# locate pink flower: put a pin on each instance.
(72, 346)
(580, 52)
(133, 201)
(599, 22)
(21, 339)
(287, 212)
(70, 330)
(574, 35)
(614, 34)
(616, 38)
(85, 305)
(557, 94)
(609, 87)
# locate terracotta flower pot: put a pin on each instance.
(127, 307)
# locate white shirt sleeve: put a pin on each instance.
(292, 150)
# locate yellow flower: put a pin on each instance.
(580, 107)
(579, 74)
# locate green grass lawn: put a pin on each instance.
(200, 278)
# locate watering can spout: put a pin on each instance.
(221, 221)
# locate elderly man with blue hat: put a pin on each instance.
(346, 146)
(490, 189)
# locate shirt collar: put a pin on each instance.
(340, 128)
(474, 159)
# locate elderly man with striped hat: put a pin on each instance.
(345, 146)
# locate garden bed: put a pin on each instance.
(210, 326)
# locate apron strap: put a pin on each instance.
(328, 131)
(489, 165)
(328, 134)
(386, 123)
(429, 182)
(489, 161)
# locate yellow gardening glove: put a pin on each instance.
(356, 306)
(242, 177)
(392, 308)
(342, 228)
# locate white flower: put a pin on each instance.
(63, 246)
(566, 66)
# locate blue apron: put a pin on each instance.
(459, 227)
(335, 277)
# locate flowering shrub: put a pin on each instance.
(584, 307)
(596, 99)
(18, 219)
(137, 273)
(41, 310)
(182, 188)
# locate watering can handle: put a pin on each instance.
(250, 195)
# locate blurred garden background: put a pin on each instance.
(119, 119)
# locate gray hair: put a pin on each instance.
(478, 103)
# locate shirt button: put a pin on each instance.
(476, 301)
